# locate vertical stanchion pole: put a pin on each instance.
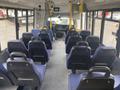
(27, 21)
(86, 20)
(34, 18)
(81, 12)
(102, 27)
(16, 24)
(93, 22)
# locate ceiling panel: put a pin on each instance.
(91, 4)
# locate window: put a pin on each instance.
(3, 13)
(99, 14)
(108, 15)
(109, 39)
(11, 13)
(116, 16)
(97, 27)
(24, 13)
(19, 13)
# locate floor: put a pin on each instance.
(56, 75)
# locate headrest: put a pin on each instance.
(16, 46)
(43, 33)
(36, 43)
(72, 32)
(36, 39)
(27, 35)
(104, 51)
(93, 39)
(14, 55)
(103, 69)
(82, 43)
(80, 49)
(85, 32)
(35, 32)
(75, 37)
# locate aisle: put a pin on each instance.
(56, 74)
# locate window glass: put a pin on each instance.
(7, 31)
(95, 14)
(100, 14)
(109, 38)
(97, 27)
(3, 13)
(24, 13)
(11, 13)
(19, 13)
(29, 13)
(108, 15)
(116, 16)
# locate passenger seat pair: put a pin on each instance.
(80, 57)
(36, 49)
(22, 72)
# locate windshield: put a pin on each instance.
(61, 20)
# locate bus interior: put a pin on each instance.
(59, 45)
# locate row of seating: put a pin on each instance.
(36, 49)
(93, 41)
(37, 32)
(86, 53)
(44, 36)
(21, 68)
(84, 34)
(80, 57)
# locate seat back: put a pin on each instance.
(94, 42)
(23, 69)
(98, 78)
(72, 41)
(79, 58)
(70, 33)
(26, 37)
(35, 32)
(35, 38)
(45, 37)
(38, 51)
(84, 34)
(50, 32)
(104, 55)
(17, 46)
